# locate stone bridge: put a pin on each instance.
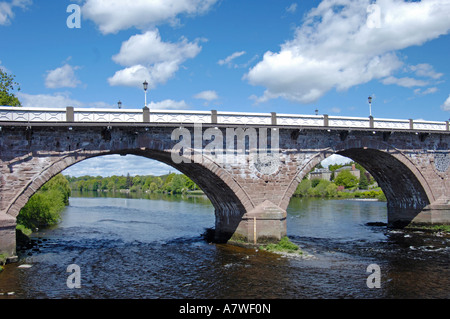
(249, 165)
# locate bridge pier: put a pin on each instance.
(434, 213)
(265, 223)
(7, 235)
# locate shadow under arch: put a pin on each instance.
(406, 190)
(220, 188)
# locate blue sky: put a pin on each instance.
(249, 56)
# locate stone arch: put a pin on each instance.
(302, 172)
(406, 189)
(229, 199)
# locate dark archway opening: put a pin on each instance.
(405, 194)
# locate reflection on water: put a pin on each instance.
(152, 248)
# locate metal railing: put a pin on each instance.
(93, 115)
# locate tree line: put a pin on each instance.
(170, 183)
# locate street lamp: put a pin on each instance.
(317, 112)
(370, 105)
(119, 104)
(145, 90)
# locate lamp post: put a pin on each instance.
(145, 84)
(119, 104)
(370, 106)
(317, 112)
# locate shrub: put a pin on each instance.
(346, 179)
(44, 208)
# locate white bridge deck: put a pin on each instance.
(92, 115)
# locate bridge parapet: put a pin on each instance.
(97, 115)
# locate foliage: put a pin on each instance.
(363, 181)
(44, 208)
(327, 189)
(170, 183)
(346, 179)
(315, 182)
(303, 187)
(7, 86)
(284, 245)
(320, 190)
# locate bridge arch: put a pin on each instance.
(226, 195)
(406, 190)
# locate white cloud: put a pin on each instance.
(425, 92)
(446, 105)
(110, 165)
(62, 77)
(114, 15)
(405, 81)
(45, 100)
(62, 100)
(207, 95)
(335, 159)
(336, 48)
(168, 105)
(292, 8)
(425, 70)
(335, 110)
(147, 57)
(230, 58)
(6, 10)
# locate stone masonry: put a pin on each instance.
(250, 194)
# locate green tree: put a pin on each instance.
(44, 208)
(321, 189)
(363, 181)
(61, 184)
(346, 179)
(7, 87)
(303, 187)
(315, 182)
(331, 190)
(128, 181)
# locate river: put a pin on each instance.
(152, 248)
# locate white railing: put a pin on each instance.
(92, 115)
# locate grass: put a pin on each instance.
(24, 230)
(284, 246)
(438, 228)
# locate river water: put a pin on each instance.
(152, 248)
